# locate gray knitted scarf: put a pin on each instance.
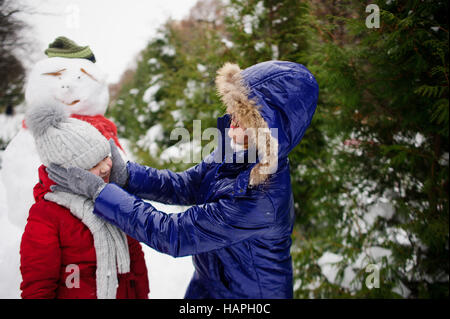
(111, 246)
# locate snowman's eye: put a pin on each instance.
(89, 75)
(56, 73)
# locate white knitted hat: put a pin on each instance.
(63, 140)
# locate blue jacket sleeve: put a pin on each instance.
(199, 229)
(164, 185)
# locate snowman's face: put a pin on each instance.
(76, 84)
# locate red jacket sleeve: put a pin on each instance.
(40, 254)
(138, 268)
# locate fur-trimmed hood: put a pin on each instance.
(276, 100)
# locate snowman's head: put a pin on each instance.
(76, 84)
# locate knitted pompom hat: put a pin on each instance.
(63, 140)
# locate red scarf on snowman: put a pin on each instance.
(101, 123)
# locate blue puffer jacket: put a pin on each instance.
(238, 234)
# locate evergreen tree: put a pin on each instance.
(173, 85)
(267, 30)
(385, 92)
(11, 68)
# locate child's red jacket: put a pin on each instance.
(55, 243)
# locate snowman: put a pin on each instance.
(70, 77)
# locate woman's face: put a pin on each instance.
(237, 133)
(103, 169)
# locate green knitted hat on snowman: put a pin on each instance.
(66, 48)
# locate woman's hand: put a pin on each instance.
(75, 180)
(119, 173)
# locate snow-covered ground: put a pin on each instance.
(9, 126)
(168, 276)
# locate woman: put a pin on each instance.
(239, 227)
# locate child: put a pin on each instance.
(74, 254)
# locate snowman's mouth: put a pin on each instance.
(69, 104)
